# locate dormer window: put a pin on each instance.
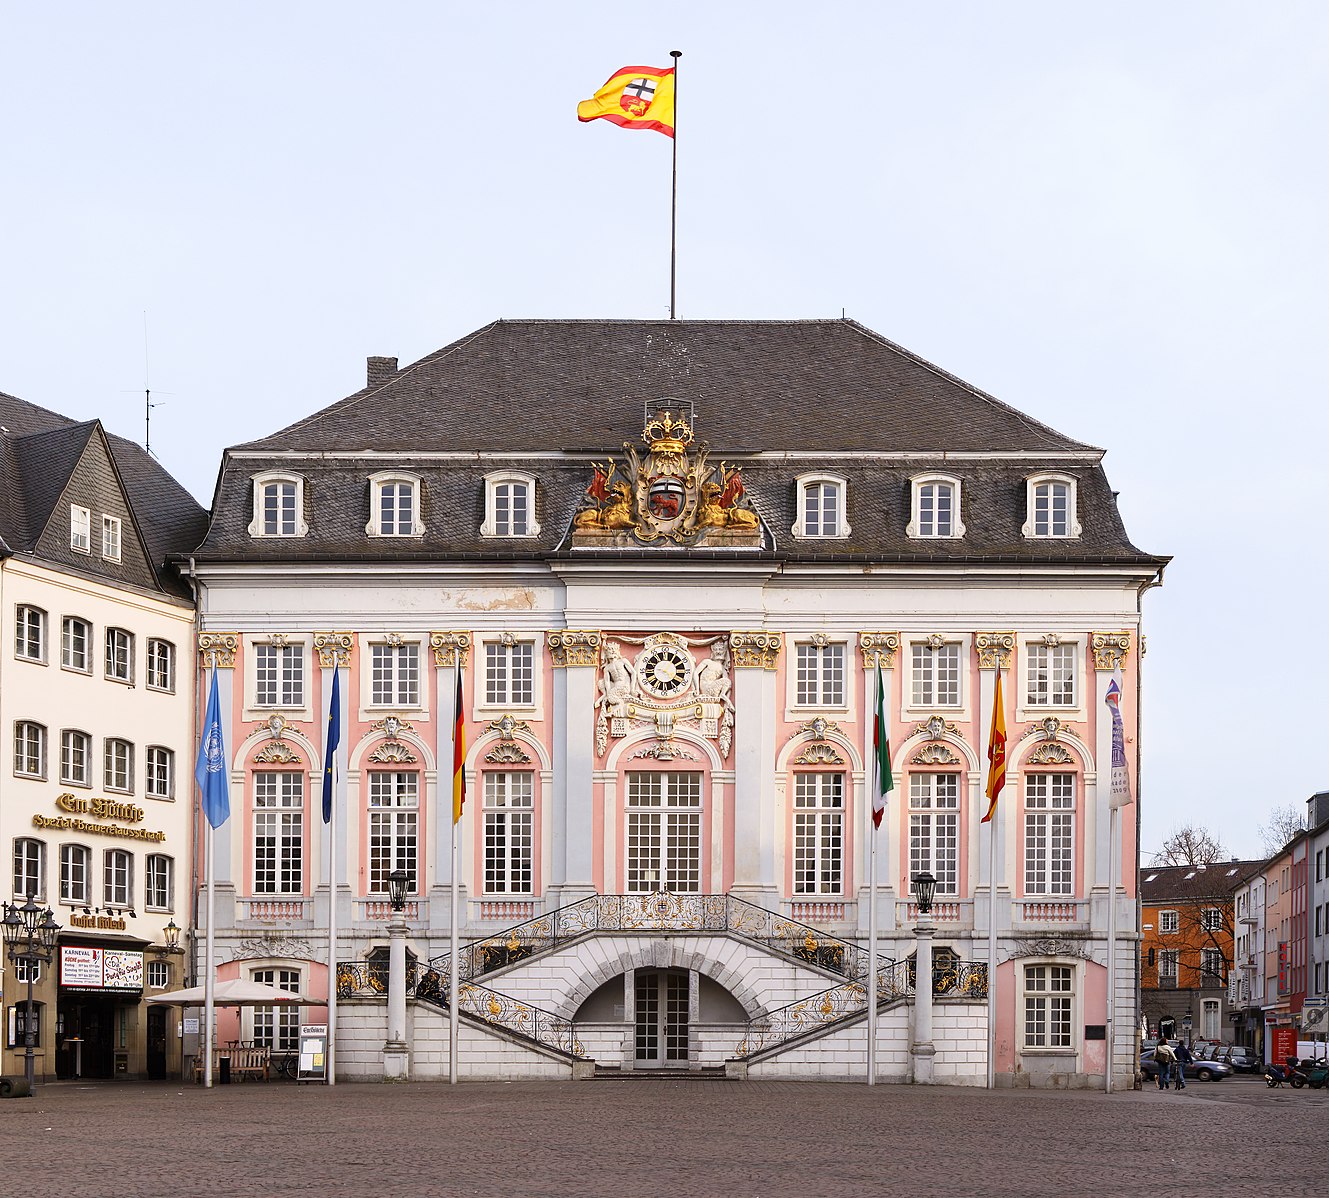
(509, 505)
(111, 538)
(821, 507)
(935, 510)
(279, 506)
(1051, 507)
(394, 506)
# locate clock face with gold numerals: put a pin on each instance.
(664, 671)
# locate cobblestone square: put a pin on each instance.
(665, 1137)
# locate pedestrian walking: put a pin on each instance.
(1164, 1058)
(1184, 1058)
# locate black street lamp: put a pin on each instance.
(397, 881)
(925, 890)
(30, 933)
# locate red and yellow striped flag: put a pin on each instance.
(458, 753)
(634, 98)
(996, 751)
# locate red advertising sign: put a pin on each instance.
(1283, 1044)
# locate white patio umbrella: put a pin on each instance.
(236, 992)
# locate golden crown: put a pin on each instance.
(667, 432)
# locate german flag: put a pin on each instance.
(634, 98)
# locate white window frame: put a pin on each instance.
(118, 765)
(161, 665)
(158, 974)
(69, 659)
(279, 832)
(934, 807)
(395, 676)
(30, 748)
(816, 666)
(28, 868)
(1049, 659)
(804, 529)
(1032, 505)
(288, 683)
(278, 478)
(1049, 866)
(496, 687)
(1169, 965)
(378, 483)
(663, 831)
(1169, 922)
(509, 832)
(276, 1026)
(500, 524)
(159, 772)
(1048, 992)
(68, 742)
(1213, 956)
(29, 619)
(923, 526)
(818, 833)
(74, 890)
(80, 529)
(118, 878)
(394, 828)
(159, 883)
(1210, 1018)
(1211, 919)
(112, 540)
(923, 692)
(113, 655)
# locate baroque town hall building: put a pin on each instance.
(668, 558)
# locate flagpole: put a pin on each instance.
(209, 1006)
(456, 892)
(872, 949)
(1114, 827)
(673, 207)
(330, 1072)
(992, 952)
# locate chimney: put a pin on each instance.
(379, 370)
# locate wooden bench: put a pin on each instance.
(245, 1062)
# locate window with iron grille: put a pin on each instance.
(509, 674)
(509, 817)
(1051, 675)
(75, 644)
(818, 833)
(1048, 998)
(820, 676)
(395, 679)
(934, 829)
(935, 676)
(663, 832)
(30, 634)
(1049, 833)
(394, 800)
(118, 878)
(29, 749)
(74, 874)
(279, 802)
(29, 868)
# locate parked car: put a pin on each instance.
(1206, 1070)
(1242, 1059)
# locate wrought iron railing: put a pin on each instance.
(658, 911)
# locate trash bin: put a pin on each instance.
(224, 1071)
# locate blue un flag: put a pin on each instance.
(210, 772)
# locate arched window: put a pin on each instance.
(29, 868)
(75, 868)
(821, 507)
(1051, 507)
(394, 505)
(279, 505)
(509, 505)
(935, 507)
(29, 749)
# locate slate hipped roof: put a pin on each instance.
(41, 450)
(832, 392)
(1191, 883)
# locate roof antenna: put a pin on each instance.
(148, 405)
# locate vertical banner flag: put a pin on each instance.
(996, 751)
(1121, 782)
(210, 770)
(458, 750)
(881, 745)
(634, 98)
(334, 739)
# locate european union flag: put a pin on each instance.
(210, 771)
(334, 739)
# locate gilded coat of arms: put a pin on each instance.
(673, 493)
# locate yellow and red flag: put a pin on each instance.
(634, 98)
(458, 752)
(996, 751)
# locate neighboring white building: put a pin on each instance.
(96, 760)
(1315, 1017)
(669, 559)
(1246, 988)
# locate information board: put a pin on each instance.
(313, 1064)
(83, 967)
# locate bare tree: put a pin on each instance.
(1190, 845)
(1282, 825)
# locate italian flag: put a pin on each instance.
(881, 752)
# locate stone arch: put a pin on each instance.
(658, 952)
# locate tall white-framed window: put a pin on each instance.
(934, 673)
(29, 749)
(394, 828)
(663, 832)
(117, 765)
(1051, 507)
(161, 665)
(934, 829)
(279, 675)
(509, 505)
(394, 675)
(818, 833)
(76, 645)
(159, 883)
(119, 655)
(1210, 1027)
(80, 529)
(111, 538)
(1049, 833)
(279, 821)
(821, 507)
(75, 757)
(277, 1027)
(1168, 923)
(509, 817)
(30, 633)
(118, 878)
(1051, 674)
(1049, 996)
(159, 772)
(509, 673)
(820, 675)
(394, 505)
(29, 868)
(935, 507)
(1169, 965)
(279, 505)
(1212, 966)
(75, 875)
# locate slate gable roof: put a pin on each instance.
(41, 451)
(832, 392)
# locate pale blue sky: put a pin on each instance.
(1112, 216)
